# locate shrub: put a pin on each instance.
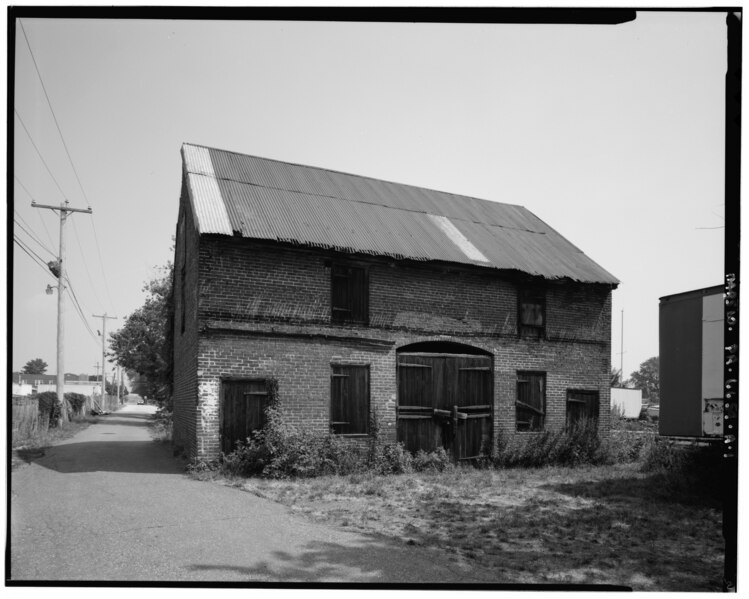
(49, 407)
(394, 459)
(578, 444)
(626, 446)
(76, 403)
(434, 461)
(162, 427)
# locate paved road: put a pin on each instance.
(111, 504)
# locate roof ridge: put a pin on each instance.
(330, 170)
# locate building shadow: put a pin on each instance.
(371, 560)
(144, 457)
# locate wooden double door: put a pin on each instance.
(445, 400)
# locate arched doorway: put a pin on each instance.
(445, 398)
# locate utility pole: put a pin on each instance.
(118, 382)
(59, 271)
(96, 366)
(103, 352)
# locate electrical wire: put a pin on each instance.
(33, 199)
(101, 263)
(33, 143)
(85, 264)
(70, 159)
(33, 255)
(78, 306)
(33, 237)
(49, 103)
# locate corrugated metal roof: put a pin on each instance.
(261, 198)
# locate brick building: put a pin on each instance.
(451, 319)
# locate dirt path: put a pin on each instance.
(111, 504)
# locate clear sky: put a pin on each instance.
(613, 135)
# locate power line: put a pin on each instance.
(41, 220)
(31, 254)
(49, 103)
(85, 264)
(19, 240)
(70, 159)
(33, 237)
(33, 199)
(79, 308)
(38, 152)
(101, 263)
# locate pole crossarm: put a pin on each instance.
(62, 208)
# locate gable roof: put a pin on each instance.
(259, 198)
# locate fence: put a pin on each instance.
(28, 422)
(26, 419)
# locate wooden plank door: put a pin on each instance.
(472, 394)
(416, 397)
(243, 404)
(445, 401)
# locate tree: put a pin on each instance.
(112, 388)
(615, 378)
(647, 378)
(36, 366)
(144, 343)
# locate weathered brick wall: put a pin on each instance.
(249, 281)
(278, 304)
(185, 343)
(302, 368)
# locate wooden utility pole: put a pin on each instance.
(59, 271)
(96, 367)
(103, 352)
(118, 382)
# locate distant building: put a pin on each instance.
(31, 384)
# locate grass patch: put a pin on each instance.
(588, 525)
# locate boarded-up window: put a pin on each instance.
(349, 400)
(530, 405)
(531, 313)
(581, 405)
(349, 294)
(242, 410)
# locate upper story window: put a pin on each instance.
(349, 294)
(531, 312)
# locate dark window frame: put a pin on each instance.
(348, 314)
(337, 371)
(536, 295)
(585, 392)
(522, 379)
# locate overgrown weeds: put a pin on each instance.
(161, 428)
(575, 445)
(282, 450)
